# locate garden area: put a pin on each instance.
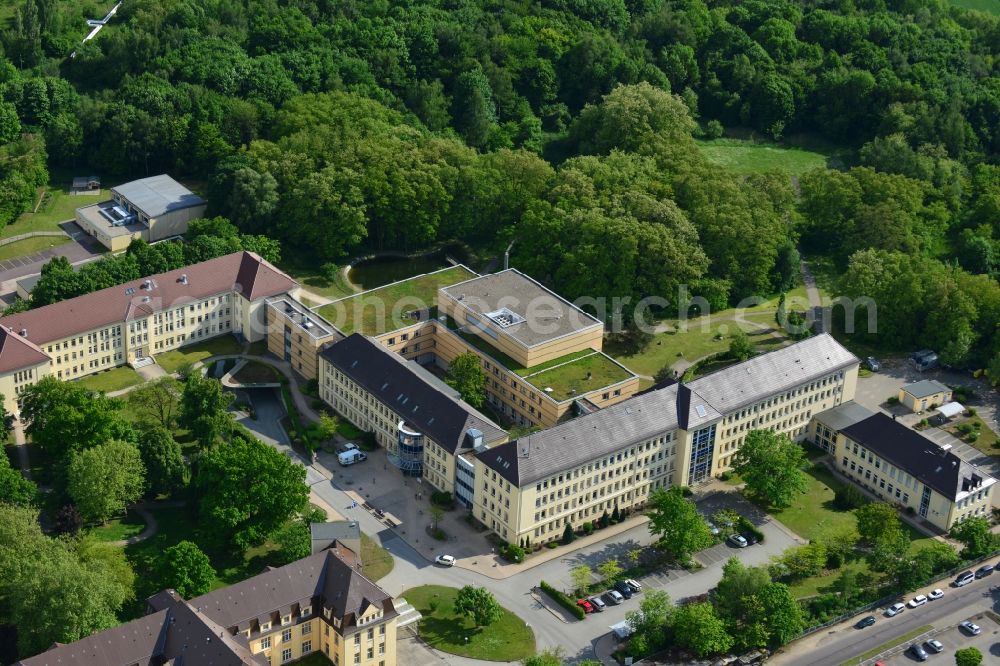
(748, 157)
(28, 246)
(174, 360)
(255, 372)
(445, 628)
(973, 429)
(58, 205)
(111, 380)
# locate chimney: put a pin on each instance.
(184, 278)
(24, 332)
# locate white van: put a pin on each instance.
(351, 456)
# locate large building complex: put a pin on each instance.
(130, 322)
(150, 209)
(319, 604)
(529, 489)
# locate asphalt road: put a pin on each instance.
(845, 641)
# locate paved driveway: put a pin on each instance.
(83, 248)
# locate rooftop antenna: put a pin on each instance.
(506, 255)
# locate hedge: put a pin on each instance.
(563, 600)
(746, 526)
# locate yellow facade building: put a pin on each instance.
(319, 604)
(923, 395)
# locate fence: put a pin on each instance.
(884, 600)
(32, 234)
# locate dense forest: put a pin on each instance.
(568, 126)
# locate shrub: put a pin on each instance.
(713, 129)
(849, 497)
(512, 553)
(568, 534)
(971, 411)
(745, 525)
(966, 428)
(442, 499)
(563, 600)
(726, 476)
(588, 528)
(439, 534)
(893, 400)
(910, 511)
(687, 492)
(551, 544)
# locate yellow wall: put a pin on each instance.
(326, 634)
(923, 404)
(305, 346)
(12, 383)
(174, 223)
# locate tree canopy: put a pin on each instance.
(770, 464)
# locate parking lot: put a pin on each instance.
(953, 638)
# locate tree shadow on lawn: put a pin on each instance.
(450, 630)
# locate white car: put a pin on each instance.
(935, 645)
(971, 628)
(737, 540)
(936, 593)
(916, 601)
(894, 610)
(445, 560)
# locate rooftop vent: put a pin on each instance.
(505, 317)
(184, 278)
(24, 332)
(145, 299)
(147, 285)
(701, 411)
(129, 291)
(548, 389)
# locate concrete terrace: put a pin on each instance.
(389, 307)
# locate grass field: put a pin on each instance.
(23, 248)
(988, 442)
(989, 6)
(579, 376)
(119, 528)
(376, 561)
(172, 361)
(58, 206)
(111, 380)
(380, 310)
(257, 373)
(749, 157)
(311, 278)
(509, 639)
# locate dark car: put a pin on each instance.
(865, 622)
(872, 364)
(984, 571)
(624, 589)
(918, 652)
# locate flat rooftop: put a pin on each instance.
(307, 321)
(392, 306)
(100, 215)
(520, 307)
(157, 195)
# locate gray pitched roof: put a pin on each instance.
(913, 453)
(925, 387)
(157, 195)
(406, 391)
(780, 370)
(842, 416)
(536, 456)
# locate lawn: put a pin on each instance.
(376, 561)
(172, 361)
(28, 246)
(111, 380)
(58, 206)
(700, 338)
(119, 528)
(987, 442)
(748, 157)
(311, 278)
(578, 376)
(379, 310)
(255, 372)
(509, 639)
(988, 6)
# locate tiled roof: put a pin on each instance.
(245, 272)
(402, 388)
(17, 352)
(916, 455)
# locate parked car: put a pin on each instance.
(918, 652)
(738, 540)
(350, 457)
(936, 593)
(917, 601)
(347, 446)
(634, 584)
(970, 628)
(585, 605)
(750, 537)
(597, 603)
(872, 364)
(624, 588)
(894, 610)
(935, 646)
(613, 597)
(964, 578)
(866, 621)
(984, 571)
(925, 359)
(445, 560)
(712, 528)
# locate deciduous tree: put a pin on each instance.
(465, 375)
(479, 604)
(186, 569)
(675, 519)
(105, 479)
(771, 466)
(699, 629)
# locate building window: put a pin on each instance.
(286, 636)
(307, 628)
(286, 655)
(307, 647)
(265, 643)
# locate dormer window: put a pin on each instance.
(264, 626)
(306, 611)
(286, 619)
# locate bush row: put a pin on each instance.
(563, 600)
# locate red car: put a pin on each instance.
(585, 605)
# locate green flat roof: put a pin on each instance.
(567, 376)
(380, 310)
